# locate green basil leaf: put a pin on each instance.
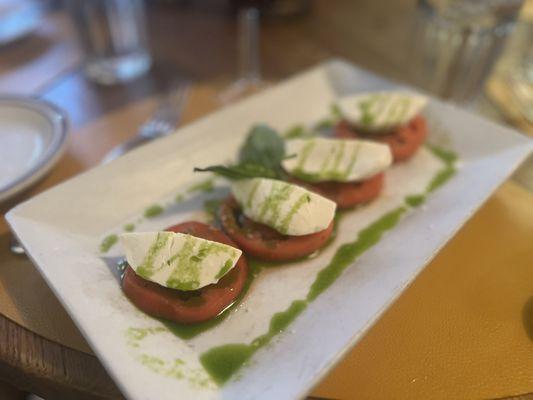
(240, 171)
(260, 157)
(263, 146)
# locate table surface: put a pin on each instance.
(204, 49)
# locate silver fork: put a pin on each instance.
(161, 123)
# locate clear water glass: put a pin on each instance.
(249, 80)
(457, 42)
(113, 36)
(527, 57)
(520, 72)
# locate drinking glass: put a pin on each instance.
(113, 36)
(249, 76)
(457, 42)
(520, 72)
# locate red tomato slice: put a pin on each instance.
(194, 306)
(263, 242)
(347, 194)
(403, 142)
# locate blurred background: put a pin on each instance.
(446, 47)
(104, 76)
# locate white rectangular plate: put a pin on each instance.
(63, 227)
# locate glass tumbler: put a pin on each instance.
(520, 72)
(113, 36)
(457, 42)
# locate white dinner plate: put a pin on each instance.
(63, 229)
(32, 138)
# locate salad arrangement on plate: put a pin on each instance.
(286, 195)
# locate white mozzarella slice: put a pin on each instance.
(341, 160)
(381, 111)
(289, 209)
(177, 260)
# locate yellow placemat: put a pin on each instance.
(461, 330)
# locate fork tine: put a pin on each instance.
(169, 111)
(163, 121)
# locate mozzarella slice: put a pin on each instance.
(177, 260)
(381, 111)
(289, 209)
(323, 159)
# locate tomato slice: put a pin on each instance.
(347, 194)
(194, 306)
(263, 242)
(403, 142)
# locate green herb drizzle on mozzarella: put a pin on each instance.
(177, 260)
(289, 209)
(323, 159)
(381, 111)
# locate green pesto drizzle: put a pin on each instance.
(129, 227)
(397, 110)
(251, 195)
(186, 275)
(441, 178)
(304, 154)
(380, 102)
(108, 242)
(275, 206)
(341, 145)
(393, 107)
(405, 103)
(223, 361)
(415, 200)
(153, 211)
(279, 193)
(147, 268)
(224, 269)
(353, 159)
(327, 160)
(135, 335)
(449, 158)
(348, 252)
(284, 226)
(366, 116)
(204, 186)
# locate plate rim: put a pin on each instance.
(51, 155)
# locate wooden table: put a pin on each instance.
(203, 48)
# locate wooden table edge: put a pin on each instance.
(49, 369)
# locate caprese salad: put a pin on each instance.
(284, 196)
